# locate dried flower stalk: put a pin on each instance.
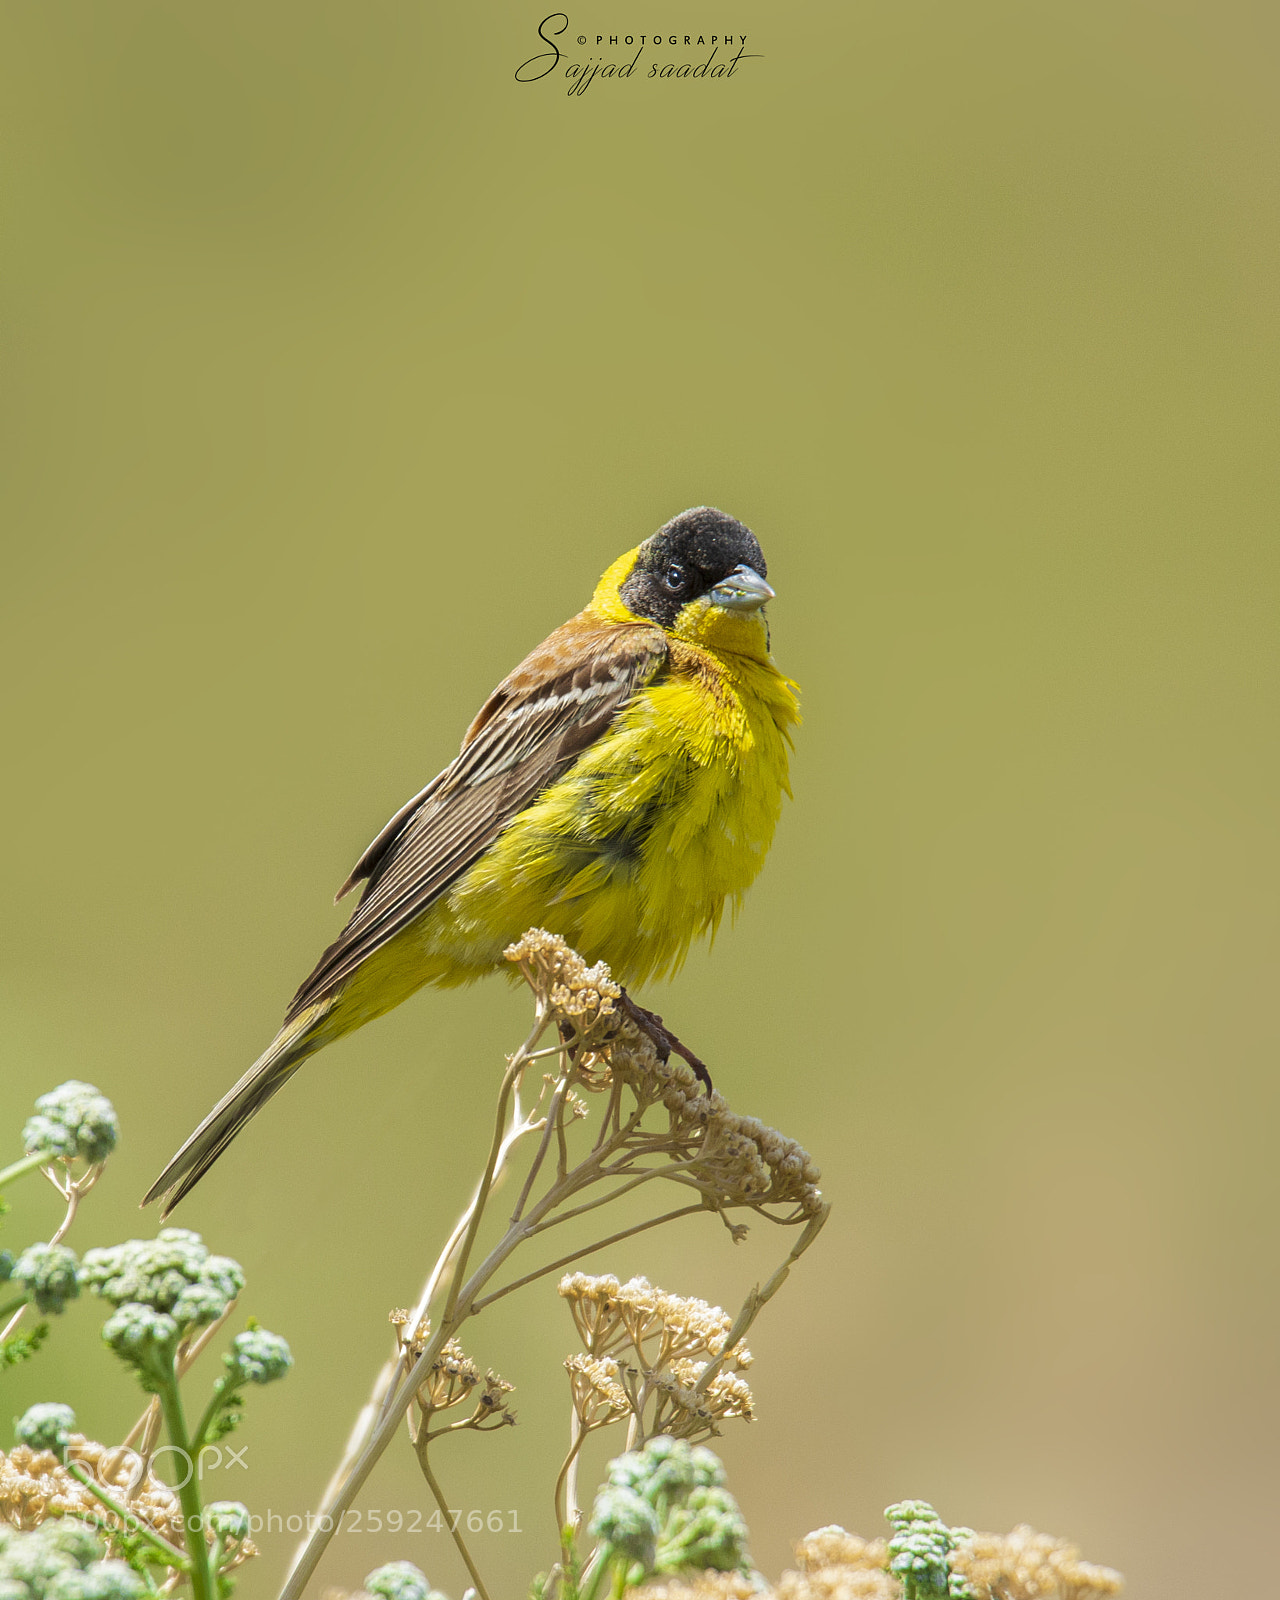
(656, 1123)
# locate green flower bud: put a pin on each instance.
(104, 1580)
(46, 1426)
(708, 1470)
(630, 1471)
(706, 1531)
(919, 1550)
(627, 1523)
(229, 1519)
(257, 1356)
(6, 1265)
(399, 1580)
(224, 1275)
(74, 1538)
(48, 1274)
(162, 1273)
(671, 1469)
(73, 1120)
(44, 1136)
(199, 1303)
(146, 1339)
(34, 1563)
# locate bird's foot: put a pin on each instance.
(651, 1024)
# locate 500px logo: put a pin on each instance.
(728, 51)
(126, 1469)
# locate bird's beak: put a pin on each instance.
(743, 590)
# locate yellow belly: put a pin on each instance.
(630, 856)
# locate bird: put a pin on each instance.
(618, 787)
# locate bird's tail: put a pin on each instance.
(271, 1071)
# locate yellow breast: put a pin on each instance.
(633, 853)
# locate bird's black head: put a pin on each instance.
(696, 552)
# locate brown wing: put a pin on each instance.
(533, 727)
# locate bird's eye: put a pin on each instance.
(674, 577)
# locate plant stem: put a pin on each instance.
(202, 1586)
(453, 1528)
(218, 1399)
(38, 1158)
(756, 1300)
(147, 1425)
(553, 1119)
(586, 1250)
(397, 1400)
(668, 1171)
(486, 1183)
(596, 1569)
(131, 1520)
(577, 1438)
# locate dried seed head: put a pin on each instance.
(735, 1160)
(35, 1485)
(450, 1379)
(833, 1547)
(702, 1586)
(492, 1402)
(582, 996)
(1026, 1565)
(685, 1412)
(598, 1395)
(609, 1315)
(416, 1342)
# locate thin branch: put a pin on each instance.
(669, 1171)
(343, 1490)
(758, 1298)
(29, 1163)
(453, 1526)
(509, 1083)
(569, 1498)
(552, 1121)
(132, 1522)
(584, 1250)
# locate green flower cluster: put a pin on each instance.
(665, 1508)
(72, 1120)
(161, 1288)
(46, 1426)
(49, 1275)
(401, 1580)
(257, 1356)
(60, 1560)
(920, 1553)
(229, 1520)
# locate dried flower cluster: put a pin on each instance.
(35, 1485)
(672, 1340)
(687, 1412)
(584, 997)
(452, 1378)
(1022, 1565)
(598, 1395)
(734, 1160)
(834, 1565)
(610, 1315)
(656, 1361)
(701, 1586)
(1026, 1565)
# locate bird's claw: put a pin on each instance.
(651, 1024)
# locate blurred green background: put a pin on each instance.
(337, 366)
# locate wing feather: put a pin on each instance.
(533, 727)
